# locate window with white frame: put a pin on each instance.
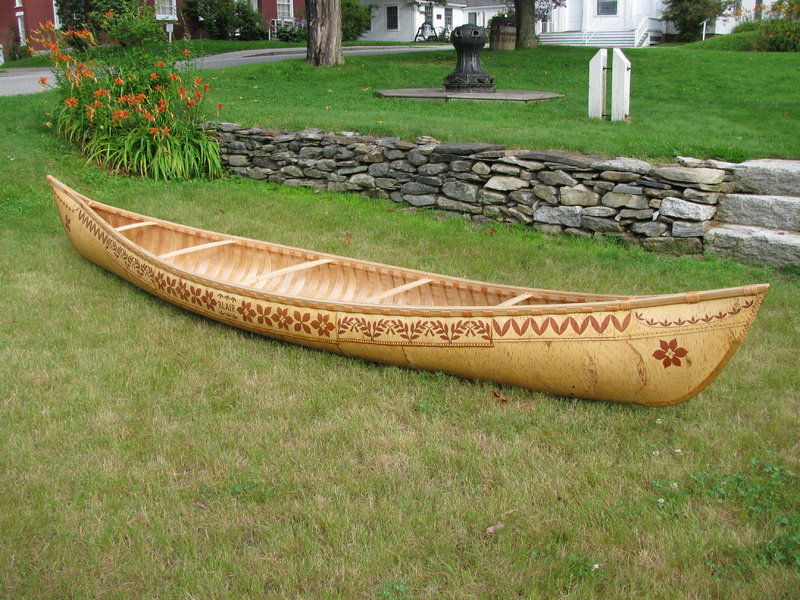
(606, 8)
(166, 10)
(472, 18)
(392, 19)
(448, 18)
(56, 20)
(285, 9)
(21, 28)
(429, 14)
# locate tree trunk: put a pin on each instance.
(525, 11)
(324, 47)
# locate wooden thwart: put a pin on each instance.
(196, 248)
(398, 290)
(133, 225)
(284, 271)
(517, 299)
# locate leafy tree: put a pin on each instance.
(689, 15)
(528, 13)
(356, 17)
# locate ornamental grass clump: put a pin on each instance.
(130, 112)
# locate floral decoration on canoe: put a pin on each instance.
(416, 331)
(670, 353)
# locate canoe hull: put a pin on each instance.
(649, 355)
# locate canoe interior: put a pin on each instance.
(287, 271)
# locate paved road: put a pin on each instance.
(14, 82)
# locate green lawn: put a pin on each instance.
(711, 104)
(146, 452)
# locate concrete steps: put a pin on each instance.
(754, 245)
(762, 225)
(777, 212)
(600, 39)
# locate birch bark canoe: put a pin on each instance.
(654, 350)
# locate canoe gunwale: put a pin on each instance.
(613, 304)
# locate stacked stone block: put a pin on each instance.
(664, 208)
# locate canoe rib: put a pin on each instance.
(652, 350)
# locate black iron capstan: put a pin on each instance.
(469, 76)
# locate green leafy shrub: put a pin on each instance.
(74, 14)
(689, 15)
(356, 18)
(15, 50)
(212, 16)
(225, 19)
(297, 33)
(247, 22)
(128, 22)
(130, 112)
(779, 35)
(788, 9)
(747, 26)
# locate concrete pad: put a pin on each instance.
(445, 96)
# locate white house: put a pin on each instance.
(627, 23)
(607, 23)
(405, 21)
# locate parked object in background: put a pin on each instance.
(650, 350)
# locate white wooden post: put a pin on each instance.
(620, 87)
(597, 84)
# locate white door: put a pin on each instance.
(574, 15)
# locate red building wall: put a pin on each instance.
(37, 12)
(34, 11)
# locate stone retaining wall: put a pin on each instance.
(663, 208)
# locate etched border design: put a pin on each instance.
(521, 327)
(415, 332)
(735, 310)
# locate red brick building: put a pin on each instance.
(24, 16)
